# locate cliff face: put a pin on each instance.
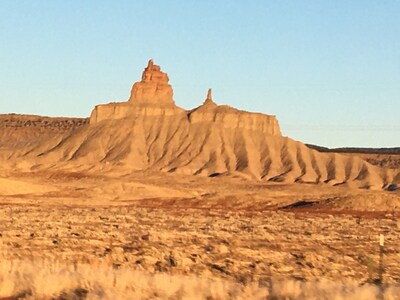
(121, 110)
(153, 96)
(231, 118)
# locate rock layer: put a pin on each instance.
(152, 96)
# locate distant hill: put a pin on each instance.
(382, 157)
(395, 150)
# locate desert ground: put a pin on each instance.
(252, 238)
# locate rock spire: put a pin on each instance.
(209, 100)
(209, 94)
(153, 88)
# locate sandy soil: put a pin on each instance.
(228, 228)
(239, 246)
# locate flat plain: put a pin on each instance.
(227, 229)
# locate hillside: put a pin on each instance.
(388, 151)
(149, 132)
(382, 157)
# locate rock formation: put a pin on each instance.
(153, 88)
(231, 118)
(209, 101)
(153, 96)
(150, 132)
(150, 96)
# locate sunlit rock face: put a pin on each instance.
(153, 88)
(153, 96)
(231, 118)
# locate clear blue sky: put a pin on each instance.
(329, 70)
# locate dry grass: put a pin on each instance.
(56, 280)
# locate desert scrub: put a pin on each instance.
(55, 280)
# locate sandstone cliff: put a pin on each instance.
(150, 96)
(232, 118)
(153, 88)
(153, 96)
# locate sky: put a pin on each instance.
(329, 70)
